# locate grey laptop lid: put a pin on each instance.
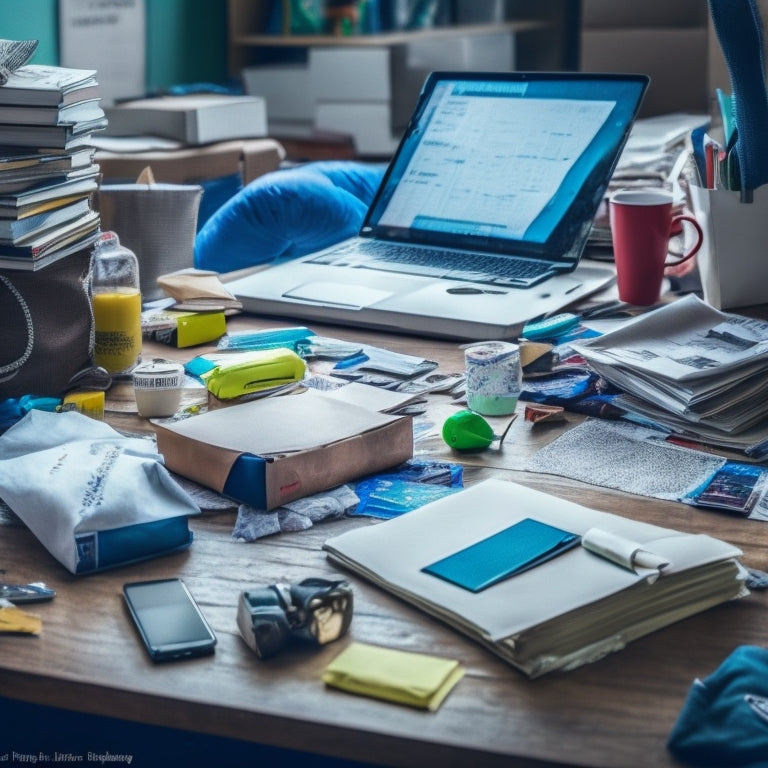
(510, 165)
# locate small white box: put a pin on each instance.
(350, 74)
(285, 88)
(369, 124)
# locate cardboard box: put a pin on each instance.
(194, 119)
(191, 165)
(284, 87)
(368, 123)
(366, 75)
(350, 74)
(268, 452)
(395, 74)
(183, 329)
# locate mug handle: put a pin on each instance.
(699, 239)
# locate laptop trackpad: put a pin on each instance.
(338, 294)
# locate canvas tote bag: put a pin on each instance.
(46, 327)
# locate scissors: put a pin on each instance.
(739, 30)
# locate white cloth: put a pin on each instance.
(66, 475)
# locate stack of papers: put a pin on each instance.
(692, 370)
(624, 580)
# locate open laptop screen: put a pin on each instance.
(510, 163)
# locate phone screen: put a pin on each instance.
(169, 621)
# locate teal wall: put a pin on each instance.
(186, 39)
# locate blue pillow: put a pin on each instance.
(288, 213)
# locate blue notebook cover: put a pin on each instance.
(522, 546)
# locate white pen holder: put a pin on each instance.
(733, 260)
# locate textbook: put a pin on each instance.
(48, 193)
(268, 452)
(25, 160)
(14, 183)
(65, 136)
(41, 244)
(13, 230)
(196, 119)
(67, 114)
(74, 243)
(8, 213)
(42, 85)
(497, 561)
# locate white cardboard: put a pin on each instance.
(108, 37)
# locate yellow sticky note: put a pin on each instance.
(415, 679)
(13, 619)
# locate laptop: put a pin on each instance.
(482, 215)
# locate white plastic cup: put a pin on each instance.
(493, 377)
(157, 386)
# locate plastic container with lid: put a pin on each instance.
(116, 305)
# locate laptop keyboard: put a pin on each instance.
(419, 260)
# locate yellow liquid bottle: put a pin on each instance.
(118, 329)
(116, 306)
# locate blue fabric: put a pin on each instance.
(288, 213)
(216, 192)
(724, 721)
(247, 482)
(738, 27)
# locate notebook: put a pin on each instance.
(624, 579)
(481, 217)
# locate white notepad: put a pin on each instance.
(572, 609)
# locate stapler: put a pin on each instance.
(259, 372)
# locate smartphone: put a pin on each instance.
(168, 619)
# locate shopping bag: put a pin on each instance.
(46, 327)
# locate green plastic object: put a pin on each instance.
(468, 431)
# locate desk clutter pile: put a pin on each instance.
(636, 577)
(336, 428)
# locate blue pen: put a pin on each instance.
(351, 362)
(697, 144)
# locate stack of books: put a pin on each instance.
(47, 170)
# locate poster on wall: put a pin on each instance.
(110, 37)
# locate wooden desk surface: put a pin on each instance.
(616, 712)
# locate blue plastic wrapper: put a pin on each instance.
(411, 486)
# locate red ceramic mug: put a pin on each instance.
(641, 226)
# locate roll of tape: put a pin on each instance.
(157, 386)
(494, 377)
